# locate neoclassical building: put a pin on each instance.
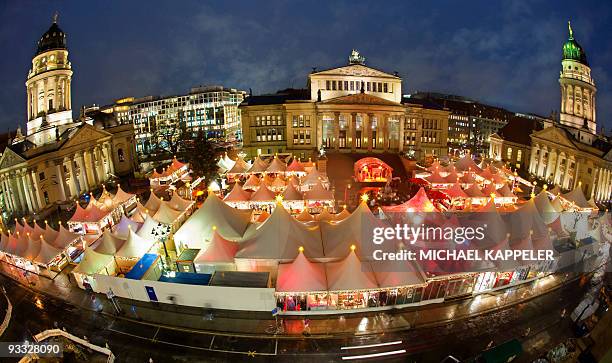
(58, 159)
(352, 108)
(571, 153)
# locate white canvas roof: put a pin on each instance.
(165, 214)
(577, 197)
(263, 194)
(231, 223)
(237, 194)
(395, 273)
(152, 229)
(342, 215)
(318, 192)
(252, 182)
(524, 220)
(108, 244)
(545, 208)
(135, 246)
(259, 166)
(240, 166)
(455, 191)
(325, 216)
(291, 193)
(64, 238)
(93, 262)
(153, 204)
(301, 275)
(276, 166)
(304, 216)
(467, 164)
(279, 237)
(219, 250)
(313, 177)
(121, 230)
(350, 274)
(121, 196)
(46, 253)
(338, 237)
(474, 192)
(418, 203)
(180, 204)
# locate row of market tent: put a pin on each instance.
(276, 165)
(173, 172)
(277, 239)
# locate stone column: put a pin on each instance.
(532, 159)
(402, 124)
(556, 170)
(35, 100)
(7, 195)
(75, 188)
(33, 190)
(27, 191)
(352, 130)
(336, 126)
(386, 137)
(56, 103)
(369, 131)
(83, 171)
(11, 193)
(541, 165)
(319, 136)
(94, 169)
(68, 95)
(109, 154)
(45, 100)
(59, 171)
(576, 175)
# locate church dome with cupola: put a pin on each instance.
(572, 50)
(54, 38)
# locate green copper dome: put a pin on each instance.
(572, 50)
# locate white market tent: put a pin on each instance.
(108, 244)
(166, 215)
(231, 223)
(279, 238)
(153, 230)
(121, 229)
(240, 166)
(350, 274)
(304, 216)
(276, 166)
(524, 221)
(396, 273)
(238, 197)
(318, 193)
(180, 204)
(135, 246)
(252, 183)
(301, 275)
(577, 197)
(218, 251)
(259, 166)
(548, 213)
(47, 253)
(153, 204)
(467, 164)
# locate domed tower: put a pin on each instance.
(577, 87)
(48, 86)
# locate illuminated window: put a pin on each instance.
(509, 153)
(519, 155)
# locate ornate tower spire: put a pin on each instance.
(571, 32)
(55, 17)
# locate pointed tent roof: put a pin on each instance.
(496, 231)
(296, 166)
(122, 229)
(122, 196)
(37, 231)
(140, 213)
(276, 166)
(318, 192)
(545, 208)
(418, 203)
(489, 190)
(279, 237)
(467, 178)
(17, 244)
(505, 192)
(435, 167)
(32, 250)
(64, 238)
(452, 176)
(108, 244)
(253, 182)
(313, 177)
(325, 216)
(436, 178)
(556, 204)
(49, 234)
(176, 165)
(47, 252)
(466, 163)
(219, 250)
(4, 239)
(267, 180)
(350, 274)
(153, 203)
(91, 213)
(342, 215)
(26, 228)
(231, 223)
(166, 215)
(291, 193)
(395, 273)
(92, 262)
(301, 275)
(240, 166)
(474, 192)
(105, 202)
(178, 203)
(338, 237)
(278, 183)
(577, 197)
(488, 172)
(304, 216)
(455, 192)
(259, 166)
(525, 219)
(263, 194)
(135, 246)
(262, 217)
(237, 194)
(293, 181)
(151, 228)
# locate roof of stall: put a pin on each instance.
(396, 273)
(455, 191)
(92, 262)
(219, 250)
(474, 191)
(178, 203)
(279, 237)
(466, 163)
(350, 274)
(240, 166)
(108, 244)
(263, 194)
(165, 214)
(47, 252)
(91, 213)
(276, 166)
(291, 193)
(318, 192)
(304, 216)
(122, 228)
(231, 223)
(577, 197)
(152, 229)
(64, 238)
(122, 196)
(135, 246)
(418, 203)
(301, 275)
(296, 166)
(253, 182)
(237, 194)
(153, 204)
(259, 166)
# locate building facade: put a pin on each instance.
(159, 122)
(58, 159)
(352, 108)
(470, 123)
(570, 153)
(512, 143)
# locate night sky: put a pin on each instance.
(503, 53)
